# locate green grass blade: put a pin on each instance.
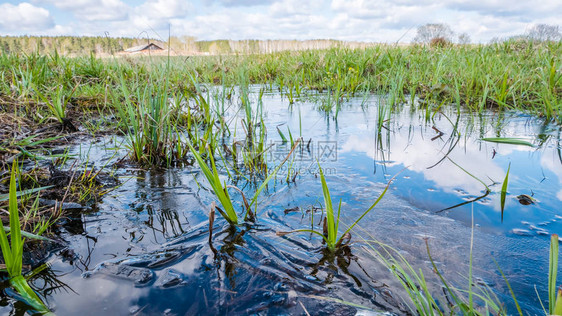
(29, 296)
(504, 191)
(552, 272)
(290, 136)
(558, 304)
(15, 229)
(282, 135)
(30, 235)
(338, 218)
(5, 197)
(4, 244)
(219, 190)
(470, 174)
(509, 287)
(511, 141)
(332, 233)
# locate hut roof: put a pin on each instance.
(140, 48)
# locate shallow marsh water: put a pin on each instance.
(144, 249)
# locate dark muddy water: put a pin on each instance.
(144, 249)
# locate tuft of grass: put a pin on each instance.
(150, 119)
(57, 102)
(220, 189)
(332, 220)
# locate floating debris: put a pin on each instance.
(292, 209)
(526, 199)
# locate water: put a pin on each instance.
(144, 248)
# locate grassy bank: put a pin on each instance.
(511, 75)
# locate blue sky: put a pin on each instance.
(353, 20)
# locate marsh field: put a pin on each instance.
(412, 180)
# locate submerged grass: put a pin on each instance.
(477, 299)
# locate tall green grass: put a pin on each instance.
(57, 102)
(513, 75)
(12, 251)
(149, 118)
(554, 295)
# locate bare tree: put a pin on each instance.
(433, 31)
(464, 39)
(544, 32)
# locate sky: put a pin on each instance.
(352, 20)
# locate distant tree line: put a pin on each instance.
(67, 45)
(439, 34)
(73, 45)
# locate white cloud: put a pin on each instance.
(94, 10)
(503, 8)
(291, 8)
(363, 9)
(355, 20)
(154, 16)
(241, 3)
(163, 9)
(426, 153)
(24, 17)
